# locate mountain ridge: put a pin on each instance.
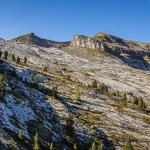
(32, 39)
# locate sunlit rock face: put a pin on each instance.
(86, 42)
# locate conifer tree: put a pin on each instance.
(0, 54)
(18, 60)
(36, 145)
(25, 60)
(13, 58)
(128, 145)
(93, 146)
(94, 84)
(45, 69)
(75, 147)
(78, 94)
(5, 55)
(1, 85)
(51, 146)
(21, 134)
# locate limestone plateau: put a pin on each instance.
(90, 93)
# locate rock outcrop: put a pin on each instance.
(112, 44)
(87, 42)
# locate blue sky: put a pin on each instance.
(61, 19)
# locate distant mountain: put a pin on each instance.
(32, 39)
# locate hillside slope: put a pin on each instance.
(74, 95)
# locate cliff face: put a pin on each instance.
(87, 42)
(112, 44)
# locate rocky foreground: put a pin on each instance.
(92, 92)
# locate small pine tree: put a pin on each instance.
(36, 145)
(93, 146)
(141, 104)
(75, 147)
(124, 97)
(25, 60)
(5, 55)
(1, 85)
(51, 146)
(0, 54)
(103, 88)
(94, 84)
(69, 125)
(45, 69)
(117, 93)
(14, 71)
(18, 60)
(13, 58)
(78, 94)
(33, 79)
(135, 100)
(128, 145)
(21, 134)
(55, 91)
(100, 147)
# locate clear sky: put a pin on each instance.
(61, 19)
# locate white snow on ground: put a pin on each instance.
(21, 111)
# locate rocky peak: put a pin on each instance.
(112, 44)
(33, 39)
(108, 38)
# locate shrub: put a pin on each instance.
(146, 58)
